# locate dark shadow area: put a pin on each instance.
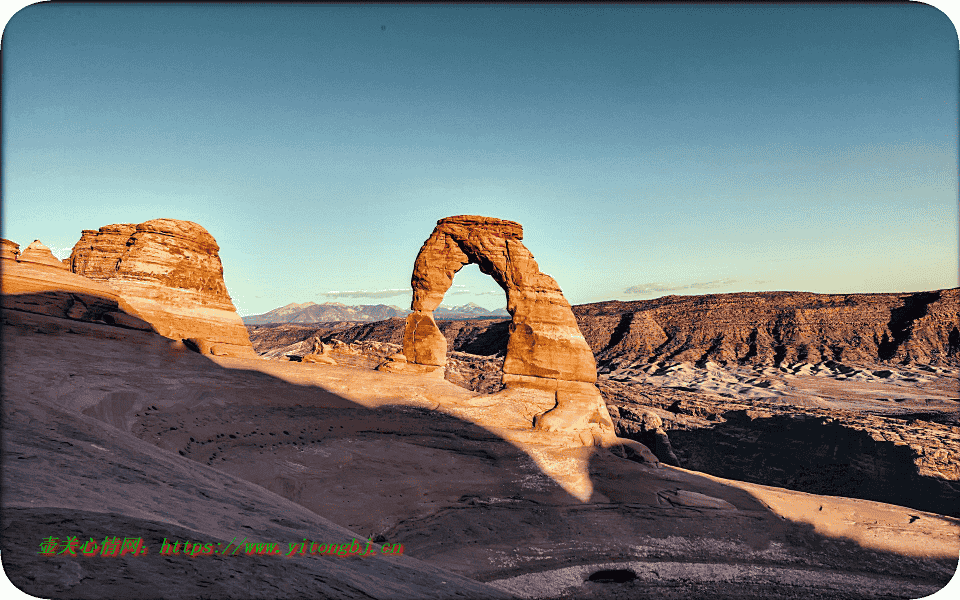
(483, 337)
(612, 576)
(901, 320)
(813, 455)
(74, 306)
(620, 331)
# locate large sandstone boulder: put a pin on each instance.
(545, 350)
(169, 272)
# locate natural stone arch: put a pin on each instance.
(546, 349)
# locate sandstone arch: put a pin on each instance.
(546, 349)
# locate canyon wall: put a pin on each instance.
(770, 328)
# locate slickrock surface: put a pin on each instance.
(545, 349)
(169, 272)
(50, 290)
(72, 468)
(109, 431)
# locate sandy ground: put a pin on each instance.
(881, 389)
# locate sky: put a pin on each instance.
(647, 150)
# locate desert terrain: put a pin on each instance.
(736, 446)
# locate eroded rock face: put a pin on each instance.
(773, 328)
(97, 253)
(169, 272)
(9, 249)
(545, 350)
(37, 253)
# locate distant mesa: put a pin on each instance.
(545, 350)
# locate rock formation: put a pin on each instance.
(749, 328)
(545, 350)
(41, 284)
(321, 354)
(97, 253)
(37, 253)
(9, 250)
(169, 272)
(772, 328)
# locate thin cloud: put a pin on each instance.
(649, 288)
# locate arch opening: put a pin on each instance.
(545, 350)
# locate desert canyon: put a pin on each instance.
(752, 445)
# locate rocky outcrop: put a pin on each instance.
(9, 250)
(772, 328)
(169, 272)
(39, 254)
(321, 354)
(97, 253)
(50, 290)
(545, 349)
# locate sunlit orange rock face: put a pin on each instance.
(170, 274)
(39, 254)
(546, 349)
(97, 253)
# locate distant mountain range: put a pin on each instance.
(311, 312)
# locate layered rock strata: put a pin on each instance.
(97, 253)
(9, 249)
(39, 254)
(169, 272)
(905, 459)
(42, 287)
(545, 349)
(772, 328)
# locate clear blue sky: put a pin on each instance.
(647, 150)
